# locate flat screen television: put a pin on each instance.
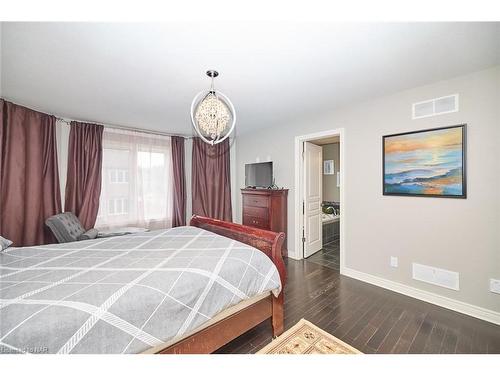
(259, 174)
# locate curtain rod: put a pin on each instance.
(155, 132)
(67, 121)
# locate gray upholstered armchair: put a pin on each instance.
(67, 228)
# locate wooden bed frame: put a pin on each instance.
(220, 333)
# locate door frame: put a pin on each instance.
(299, 190)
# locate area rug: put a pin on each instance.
(305, 338)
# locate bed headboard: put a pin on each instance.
(268, 242)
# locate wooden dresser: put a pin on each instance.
(266, 209)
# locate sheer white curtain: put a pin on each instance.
(137, 178)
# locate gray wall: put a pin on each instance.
(461, 235)
(331, 192)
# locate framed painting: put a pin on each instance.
(426, 163)
(329, 167)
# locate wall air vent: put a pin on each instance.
(436, 276)
(434, 107)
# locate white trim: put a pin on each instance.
(433, 101)
(298, 188)
(435, 299)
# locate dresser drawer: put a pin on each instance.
(255, 201)
(260, 212)
(255, 222)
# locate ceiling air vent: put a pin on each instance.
(434, 107)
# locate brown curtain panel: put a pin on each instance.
(179, 207)
(29, 178)
(211, 182)
(83, 184)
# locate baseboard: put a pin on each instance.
(436, 299)
(294, 257)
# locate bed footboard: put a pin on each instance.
(268, 242)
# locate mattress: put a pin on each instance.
(126, 294)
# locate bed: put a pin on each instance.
(182, 290)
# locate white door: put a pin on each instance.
(313, 186)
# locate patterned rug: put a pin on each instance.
(306, 338)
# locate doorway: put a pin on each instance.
(320, 207)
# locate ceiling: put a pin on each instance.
(145, 74)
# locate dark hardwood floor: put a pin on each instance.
(328, 256)
(372, 319)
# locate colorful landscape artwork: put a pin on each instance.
(425, 163)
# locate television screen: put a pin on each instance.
(259, 174)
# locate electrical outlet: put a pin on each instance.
(495, 286)
(394, 262)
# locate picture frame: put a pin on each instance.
(426, 163)
(329, 167)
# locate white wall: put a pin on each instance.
(454, 234)
(62, 136)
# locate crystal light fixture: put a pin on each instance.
(212, 114)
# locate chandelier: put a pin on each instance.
(212, 114)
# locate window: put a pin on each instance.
(118, 206)
(118, 176)
(138, 190)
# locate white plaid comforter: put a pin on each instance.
(124, 294)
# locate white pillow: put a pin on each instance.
(4, 243)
